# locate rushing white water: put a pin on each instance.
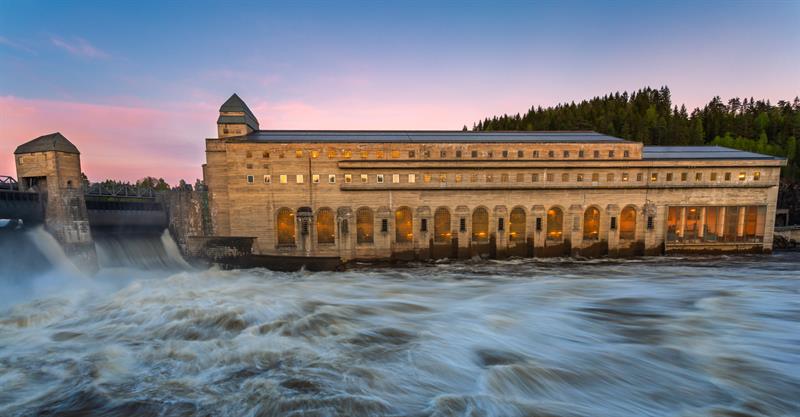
(655, 337)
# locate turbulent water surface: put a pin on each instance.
(653, 337)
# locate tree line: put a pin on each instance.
(649, 116)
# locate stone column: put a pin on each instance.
(721, 224)
(681, 222)
(573, 228)
(612, 210)
(701, 224)
(740, 223)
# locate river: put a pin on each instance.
(670, 336)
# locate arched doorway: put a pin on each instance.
(285, 227)
(555, 224)
(365, 224)
(591, 224)
(480, 225)
(441, 225)
(627, 223)
(516, 227)
(403, 225)
(326, 226)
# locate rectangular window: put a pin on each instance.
(426, 178)
(442, 154)
(520, 177)
(331, 153)
(650, 222)
(698, 176)
(742, 176)
(423, 225)
(298, 153)
(379, 154)
(490, 154)
(396, 178)
(538, 224)
(442, 177)
(503, 177)
(348, 178)
(654, 177)
(613, 224)
(626, 154)
(535, 154)
(250, 179)
(331, 178)
(348, 154)
(395, 154)
(412, 154)
(458, 153)
(364, 154)
(267, 179)
(713, 176)
(534, 177)
(756, 176)
(315, 178)
(551, 177)
(458, 177)
(249, 166)
(380, 178)
(669, 176)
(426, 154)
(520, 154)
(473, 178)
(281, 155)
(284, 179)
(412, 178)
(639, 177)
(727, 176)
(462, 225)
(596, 154)
(684, 176)
(384, 225)
(299, 178)
(610, 177)
(581, 154)
(314, 154)
(501, 223)
(249, 154)
(364, 178)
(489, 178)
(625, 177)
(265, 166)
(265, 154)
(474, 154)
(551, 154)
(564, 177)
(595, 177)
(505, 154)
(566, 154)
(610, 154)
(579, 178)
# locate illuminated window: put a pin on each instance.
(348, 154)
(625, 177)
(314, 154)
(300, 178)
(298, 153)
(412, 178)
(395, 154)
(403, 225)
(627, 223)
(331, 178)
(379, 154)
(756, 176)
(742, 176)
(426, 178)
(326, 228)
(516, 226)
(591, 224)
(534, 177)
(441, 225)
(396, 178)
(458, 177)
(267, 179)
(284, 179)
(579, 178)
(365, 225)
(250, 179)
(654, 177)
(380, 178)
(364, 178)
(698, 176)
(285, 226)
(348, 178)
(442, 177)
(364, 154)
(480, 225)
(555, 223)
(331, 153)
(315, 178)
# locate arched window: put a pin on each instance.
(403, 225)
(480, 225)
(441, 225)
(591, 223)
(326, 229)
(555, 223)
(365, 223)
(516, 228)
(627, 223)
(285, 227)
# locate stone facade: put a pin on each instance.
(526, 194)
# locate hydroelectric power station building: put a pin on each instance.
(377, 195)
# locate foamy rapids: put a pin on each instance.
(649, 337)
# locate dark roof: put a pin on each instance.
(442, 136)
(699, 152)
(236, 104)
(52, 142)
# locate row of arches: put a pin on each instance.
(325, 224)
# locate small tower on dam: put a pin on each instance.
(51, 165)
(235, 118)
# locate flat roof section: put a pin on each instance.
(699, 152)
(435, 136)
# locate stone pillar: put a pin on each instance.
(740, 223)
(464, 237)
(501, 236)
(701, 224)
(681, 223)
(721, 224)
(573, 228)
(612, 210)
(539, 236)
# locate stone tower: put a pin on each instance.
(235, 118)
(51, 165)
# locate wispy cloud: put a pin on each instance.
(15, 45)
(79, 47)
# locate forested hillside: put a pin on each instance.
(648, 115)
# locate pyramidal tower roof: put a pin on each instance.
(236, 104)
(52, 142)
